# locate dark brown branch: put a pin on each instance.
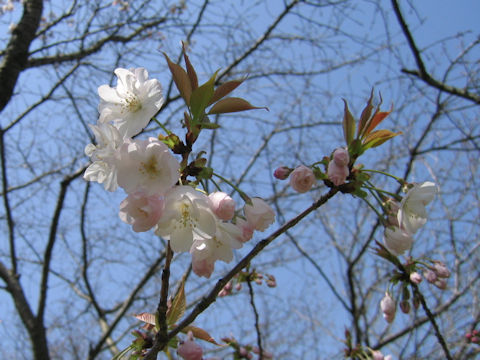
(422, 72)
(212, 295)
(16, 54)
(255, 313)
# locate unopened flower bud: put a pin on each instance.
(282, 173)
(388, 308)
(238, 286)
(302, 179)
(377, 355)
(415, 278)
(416, 302)
(475, 340)
(189, 350)
(242, 351)
(405, 306)
(340, 156)
(222, 205)
(337, 174)
(441, 269)
(441, 283)
(430, 276)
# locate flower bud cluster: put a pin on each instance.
(473, 337)
(236, 283)
(246, 351)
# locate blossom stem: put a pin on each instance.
(380, 216)
(162, 126)
(373, 188)
(400, 180)
(237, 189)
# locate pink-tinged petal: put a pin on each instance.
(181, 239)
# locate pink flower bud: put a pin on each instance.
(475, 340)
(377, 355)
(340, 156)
(238, 286)
(441, 269)
(441, 283)
(416, 278)
(282, 173)
(430, 276)
(242, 351)
(222, 205)
(189, 350)
(337, 174)
(405, 306)
(259, 215)
(388, 308)
(141, 210)
(302, 179)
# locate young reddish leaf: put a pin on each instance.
(232, 104)
(225, 89)
(146, 318)
(181, 80)
(348, 124)
(179, 304)
(378, 137)
(200, 334)
(201, 97)
(366, 113)
(192, 74)
(377, 118)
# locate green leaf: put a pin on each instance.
(360, 193)
(181, 79)
(179, 304)
(378, 137)
(232, 104)
(192, 74)
(366, 113)
(199, 333)
(201, 97)
(225, 89)
(146, 318)
(348, 124)
(355, 149)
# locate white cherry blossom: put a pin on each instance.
(132, 103)
(146, 165)
(396, 240)
(412, 214)
(103, 155)
(187, 217)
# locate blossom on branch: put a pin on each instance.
(222, 205)
(146, 165)
(103, 155)
(412, 214)
(302, 179)
(132, 103)
(187, 217)
(397, 241)
(189, 349)
(259, 215)
(141, 211)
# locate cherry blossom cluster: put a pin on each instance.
(207, 226)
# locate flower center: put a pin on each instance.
(150, 168)
(131, 103)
